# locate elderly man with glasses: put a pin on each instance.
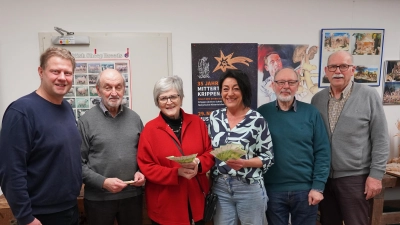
(302, 154)
(357, 129)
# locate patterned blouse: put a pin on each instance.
(252, 132)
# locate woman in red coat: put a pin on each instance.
(173, 192)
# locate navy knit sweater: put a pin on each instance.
(40, 162)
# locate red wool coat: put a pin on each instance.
(167, 194)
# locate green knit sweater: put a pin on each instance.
(301, 148)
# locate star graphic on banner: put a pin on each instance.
(226, 62)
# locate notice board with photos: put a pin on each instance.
(142, 58)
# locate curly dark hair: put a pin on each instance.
(243, 83)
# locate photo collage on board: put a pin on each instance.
(391, 89)
(365, 46)
(83, 94)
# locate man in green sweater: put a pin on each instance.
(110, 134)
(302, 154)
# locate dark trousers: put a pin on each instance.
(201, 222)
(66, 217)
(126, 211)
(344, 200)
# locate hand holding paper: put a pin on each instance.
(229, 151)
(235, 164)
(183, 159)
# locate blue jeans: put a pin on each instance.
(294, 202)
(239, 200)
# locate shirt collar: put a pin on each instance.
(105, 110)
(345, 93)
(293, 107)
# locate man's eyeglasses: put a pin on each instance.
(342, 68)
(164, 99)
(281, 83)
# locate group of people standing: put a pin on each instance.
(330, 153)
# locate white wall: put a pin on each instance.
(207, 21)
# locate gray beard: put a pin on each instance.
(285, 99)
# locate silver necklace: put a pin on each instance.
(179, 129)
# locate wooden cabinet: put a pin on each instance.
(378, 216)
(6, 215)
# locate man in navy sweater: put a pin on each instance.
(302, 154)
(40, 171)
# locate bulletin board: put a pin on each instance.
(150, 58)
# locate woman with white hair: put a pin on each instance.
(174, 191)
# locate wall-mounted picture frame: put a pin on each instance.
(391, 87)
(365, 45)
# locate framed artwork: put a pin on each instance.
(366, 47)
(391, 87)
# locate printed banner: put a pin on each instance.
(209, 62)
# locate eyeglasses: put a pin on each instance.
(164, 99)
(342, 68)
(281, 83)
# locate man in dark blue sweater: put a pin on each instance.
(302, 154)
(40, 170)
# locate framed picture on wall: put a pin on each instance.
(391, 87)
(365, 45)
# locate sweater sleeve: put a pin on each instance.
(151, 167)
(322, 153)
(15, 147)
(206, 159)
(379, 138)
(264, 146)
(89, 176)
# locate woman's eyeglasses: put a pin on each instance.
(164, 99)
